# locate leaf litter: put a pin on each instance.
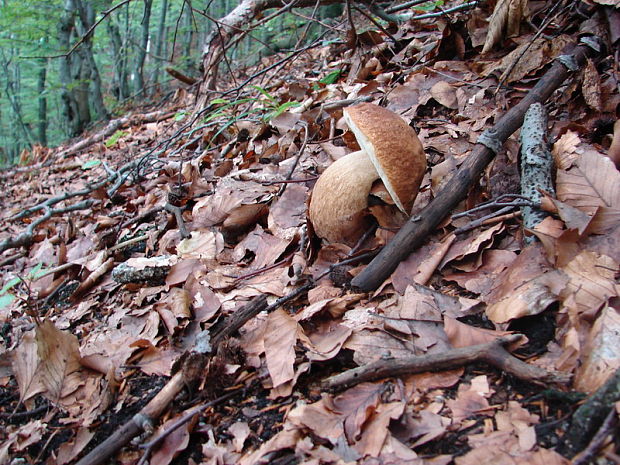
(83, 351)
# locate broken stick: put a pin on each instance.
(493, 353)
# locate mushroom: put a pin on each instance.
(390, 150)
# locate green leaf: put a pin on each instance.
(218, 101)
(180, 115)
(282, 108)
(266, 94)
(430, 6)
(36, 271)
(6, 300)
(331, 78)
(90, 164)
(114, 138)
(9, 285)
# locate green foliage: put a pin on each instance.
(114, 138)
(331, 78)
(430, 6)
(30, 43)
(6, 296)
(91, 163)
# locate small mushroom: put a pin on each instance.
(391, 151)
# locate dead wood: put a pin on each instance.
(112, 127)
(141, 421)
(419, 227)
(590, 417)
(536, 166)
(235, 25)
(181, 77)
(493, 353)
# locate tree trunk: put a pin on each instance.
(91, 72)
(159, 43)
(42, 123)
(120, 86)
(144, 43)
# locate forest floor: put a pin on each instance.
(163, 300)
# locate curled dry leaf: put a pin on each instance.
(505, 21)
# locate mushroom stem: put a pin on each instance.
(340, 197)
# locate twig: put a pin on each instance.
(178, 215)
(493, 353)
(296, 162)
(493, 218)
(25, 238)
(187, 416)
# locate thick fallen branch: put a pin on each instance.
(418, 228)
(492, 353)
(536, 166)
(590, 417)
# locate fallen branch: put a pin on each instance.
(493, 353)
(419, 227)
(536, 166)
(112, 127)
(590, 417)
(25, 238)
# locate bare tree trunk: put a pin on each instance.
(42, 123)
(87, 19)
(159, 41)
(21, 133)
(144, 43)
(120, 87)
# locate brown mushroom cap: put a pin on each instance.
(340, 197)
(394, 149)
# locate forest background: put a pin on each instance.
(68, 63)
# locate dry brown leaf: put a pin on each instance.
(280, 340)
(601, 355)
(285, 439)
(591, 86)
(445, 94)
(505, 21)
(565, 150)
(240, 432)
(480, 279)
(201, 244)
(376, 429)
(25, 367)
(59, 356)
(172, 444)
(357, 405)
(469, 401)
(174, 307)
(593, 183)
(463, 335)
(70, 450)
(591, 282)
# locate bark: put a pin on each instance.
(91, 72)
(144, 42)
(536, 166)
(75, 111)
(590, 416)
(159, 41)
(120, 87)
(42, 124)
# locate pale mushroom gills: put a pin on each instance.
(390, 150)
